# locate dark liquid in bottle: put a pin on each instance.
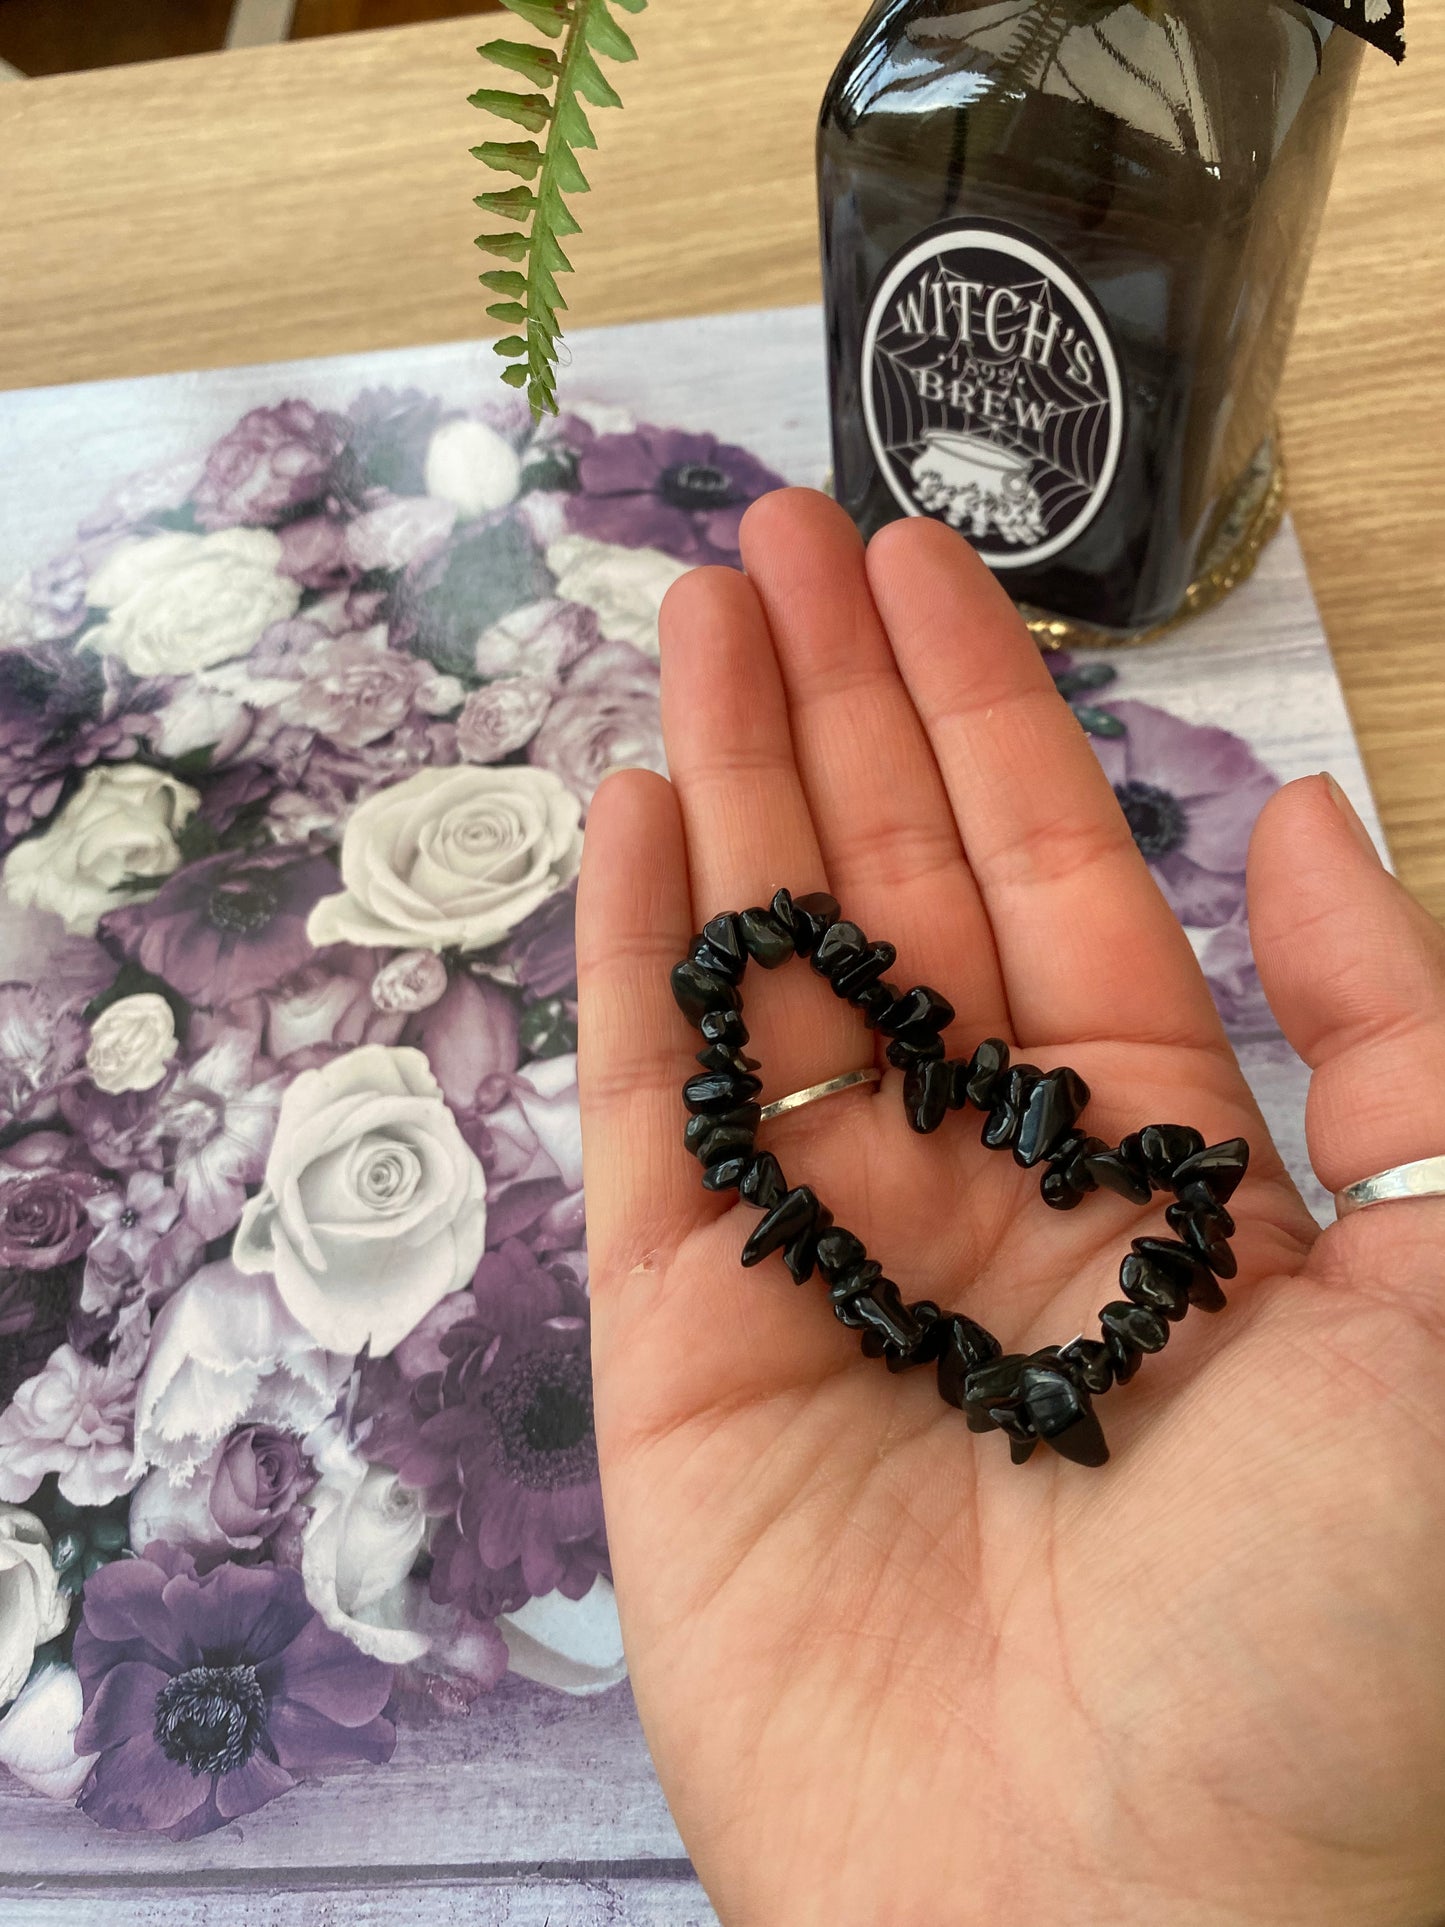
(1144, 186)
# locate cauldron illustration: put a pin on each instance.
(967, 478)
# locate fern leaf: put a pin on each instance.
(586, 32)
(510, 157)
(549, 16)
(537, 64)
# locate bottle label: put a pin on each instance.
(991, 390)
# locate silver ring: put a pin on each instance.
(797, 1099)
(1425, 1178)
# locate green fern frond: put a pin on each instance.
(586, 30)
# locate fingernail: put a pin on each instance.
(1351, 816)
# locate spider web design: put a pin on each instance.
(1065, 457)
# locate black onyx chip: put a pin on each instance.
(1219, 1166)
(1119, 1171)
(1165, 1146)
(925, 1094)
(698, 991)
(904, 1052)
(812, 915)
(725, 1175)
(1061, 1412)
(1001, 1126)
(839, 1251)
(768, 943)
(986, 1069)
(763, 1183)
(839, 948)
(722, 935)
(1187, 1267)
(725, 1027)
(865, 970)
(719, 1090)
(964, 1347)
(793, 1213)
(1054, 1100)
(1205, 1230)
(920, 1013)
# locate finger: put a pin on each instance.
(883, 817)
(725, 725)
(1089, 948)
(1354, 970)
(633, 923)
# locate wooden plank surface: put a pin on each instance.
(314, 198)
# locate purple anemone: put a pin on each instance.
(206, 1697)
(1191, 795)
(664, 488)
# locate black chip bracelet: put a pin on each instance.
(1044, 1395)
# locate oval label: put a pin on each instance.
(991, 390)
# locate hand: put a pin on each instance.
(889, 1678)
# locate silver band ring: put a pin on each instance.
(1425, 1178)
(797, 1099)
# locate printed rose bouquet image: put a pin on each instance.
(297, 744)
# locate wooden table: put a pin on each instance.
(313, 198)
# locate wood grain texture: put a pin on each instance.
(314, 198)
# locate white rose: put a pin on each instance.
(37, 1735)
(624, 587)
(451, 856)
(357, 1549)
(131, 1042)
(226, 1352)
(182, 602)
(574, 1645)
(32, 1606)
(374, 1206)
(473, 467)
(120, 823)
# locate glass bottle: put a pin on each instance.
(1064, 243)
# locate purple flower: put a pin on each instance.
(543, 947)
(258, 1477)
(206, 1697)
(354, 689)
(499, 1439)
(664, 488)
(1191, 795)
(35, 1309)
(606, 717)
(469, 1035)
(47, 1185)
(225, 928)
(543, 639)
(219, 1118)
(129, 1225)
(501, 718)
(61, 709)
(275, 460)
(41, 1046)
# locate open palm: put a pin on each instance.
(887, 1675)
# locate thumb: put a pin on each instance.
(1354, 970)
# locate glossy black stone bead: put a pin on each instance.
(1130, 1330)
(920, 1013)
(1072, 1157)
(725, 1026)
(801, 1255)
(1054, 1100)
(726, 1174)
(904, 1052)
(1061, 1412)
(698, 991)
(792, 1214)
(1219, 1167)
(1056, 1191)
(1001, 1126)
(726, 1141)
(1164, 1147)
(1021, 1450)
(1121, 1171)
(766, 940)
(1087, 1360)
(874, 1001)
(723, 937)
(1205, 1230)
(964, 1347)
(812, 915)
(854, 1284)
(781, 908)
(987, 1069)
(720, 1057)
(871, 963)
(701, 952)
(932, 1336)
(886, 1322)
(839, 948)
(996, 1382)
(702, 1124)
(838, 1252)
(1187, 1267)
(925, 1095)
(719, 1090)
(763, 1183)
(1145, 1283)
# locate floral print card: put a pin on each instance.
(307, 676)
